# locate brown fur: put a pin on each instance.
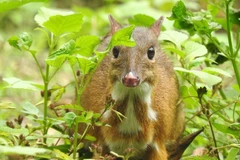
(159, 74)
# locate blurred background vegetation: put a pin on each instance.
(14, 63)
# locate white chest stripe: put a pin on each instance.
(144, 91)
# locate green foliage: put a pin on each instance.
(6, 5)
(208, 87)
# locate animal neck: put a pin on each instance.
(135, 105)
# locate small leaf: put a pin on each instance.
(20, 84)
(123, 37)
(232, 154)
(85, 64)
(57, 61)
(207, 78)
(59, 94)
(26, 39)
(17, 132)
(29, 108)
(59, 24)
(194, 50)
(175, 37)
(226, 129)
(71, 107)
(31, 151)
(14, 42)
(216, 71)
(6, 105)
(90, 138)
(67, 48)
(69, 118)
(86, 45)
(142, 20)
(61, 155)
(89, 115)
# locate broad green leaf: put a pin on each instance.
(179, 11)
(6, 5)
(31, 109)
(142, 20)
(86, 45)
(45, 13)
(82, 119)
(89, 115)
(6, 105)
(176, 51)
(69, 118)
(123, 37)
(31, 151)
(232, 154)
(14, 131)
(60, 24)
(207, 78)
(20, 84)
(226, 129)
(175, 37)
(63, 148)
(194, 50)
(85, 64)
(197, 62)
(216, 71)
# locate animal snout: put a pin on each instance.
(130, 80)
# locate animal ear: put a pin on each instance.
(114, 25)
(156, 26)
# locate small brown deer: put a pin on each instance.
(142, 82)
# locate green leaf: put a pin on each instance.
(212, 70)
(31, 151)
(14, 131)
(85, 64)
(71, 107)
(59, 94)
(69, 118)
(59, 24)
(66, 48)
(14, 42)
(232, 154)
(61, 155)
(123, 37)
(45, 13)
(194, 50)
(31, 109)
(26, 39)
(207, 78)
(86, 45)
(90, 138)
(57, 58)
(20, 84)
(6, 5)
(226, 129)
(142, 20)
(6, 105)
(175, 37)
(179, 11)
(89, 115)
(200, 158)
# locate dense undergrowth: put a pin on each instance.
(48, 58)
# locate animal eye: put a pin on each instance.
(115, 52)
(150, 53)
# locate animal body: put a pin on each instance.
(142, 82)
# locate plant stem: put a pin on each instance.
(236, 71)
(75, 141)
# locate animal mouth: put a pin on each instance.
(130, 80)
